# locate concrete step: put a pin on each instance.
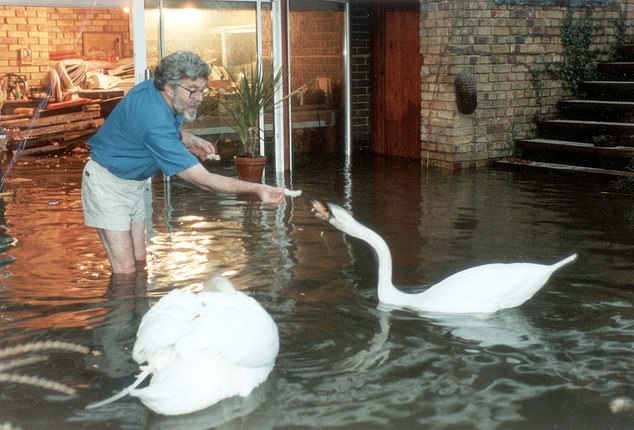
(598, 110)
(626, 52)
(618, 70)
(608, 90)
(597, 132)
(523, 163)
(575, 153)
(573, 147)
(597, 105)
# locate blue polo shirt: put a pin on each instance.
(141, 137)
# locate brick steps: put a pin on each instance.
(618, 70)
(574, 153)
(604, 110)
(626, 52)
(594, 133)
(588, 131)
(526, 164)
(607, 90)
(588, 149)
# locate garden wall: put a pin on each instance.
(46, 30)
(506, 48)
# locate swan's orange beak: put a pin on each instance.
(320, 210)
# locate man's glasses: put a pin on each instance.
(202, 91)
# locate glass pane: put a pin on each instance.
(224, 35)
(317, 63)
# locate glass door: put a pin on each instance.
(317, 37)
(225, 35)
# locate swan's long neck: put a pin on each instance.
(387, 292)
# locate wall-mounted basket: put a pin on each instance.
(466, 93)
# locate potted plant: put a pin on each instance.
(251, 93)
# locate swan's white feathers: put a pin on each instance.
(247, 341)
(201, 348)
(166, 322)
(486, 288)
(218, 284)
(481, 289)
(215, 379)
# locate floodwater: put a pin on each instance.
(559, 361)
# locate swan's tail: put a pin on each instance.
(144, 374)
(563, 262)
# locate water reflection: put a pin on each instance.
(258, 411)
(508, 327)
(123, 306)
(6, 240)
(556, 362)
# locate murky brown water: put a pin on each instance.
(556, 362)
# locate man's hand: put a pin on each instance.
(200, 147)
(272, 195)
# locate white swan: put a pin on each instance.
(482, 289)
(201, 348)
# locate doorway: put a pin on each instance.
(396, 81)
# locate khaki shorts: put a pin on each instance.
(109, 202)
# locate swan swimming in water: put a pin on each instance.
(481, 289)
(201, 348)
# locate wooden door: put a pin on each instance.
(395, 83)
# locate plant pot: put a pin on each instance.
(250, 168)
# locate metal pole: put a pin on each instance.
(278, 106)
(347, 85)
(258, 56)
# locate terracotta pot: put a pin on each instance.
(250, 168)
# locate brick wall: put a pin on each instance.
(44, 30)
(499, 46)
(314, 55)
(360, 70)
(502, 46)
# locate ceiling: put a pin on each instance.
(122, 3)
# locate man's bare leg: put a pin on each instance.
(139, 244)
(120, 249)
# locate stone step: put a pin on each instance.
(604, 110)
(573, 147)
(523, 163)
(598, 110)
(576, 153)
(608, 90)
(596, 132)
(619, 70)
(626, 52)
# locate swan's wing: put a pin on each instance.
(167, 321)
(486, 288)
(198, 380)
(235, 326)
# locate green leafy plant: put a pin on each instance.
(253, 91)
(620, 35)
(538, 88)
(578, 61)
(538, 74)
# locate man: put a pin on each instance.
(140, 138)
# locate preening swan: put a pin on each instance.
(201, 348)
(481, 289)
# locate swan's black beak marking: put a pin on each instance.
(320, 210)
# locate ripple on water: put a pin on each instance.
(343, 363)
